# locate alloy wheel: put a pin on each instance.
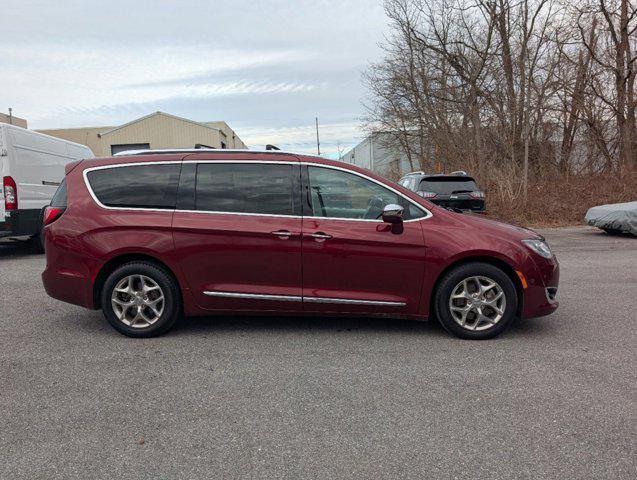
(477, 303)
(138, 301)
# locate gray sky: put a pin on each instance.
(266, 67)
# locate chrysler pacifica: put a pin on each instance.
(151, 237)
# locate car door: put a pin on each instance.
(237, 232)
(352, 260)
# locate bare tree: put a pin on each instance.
(511, 86)
(611, 42)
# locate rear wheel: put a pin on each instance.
(140, 299)
(475, 301)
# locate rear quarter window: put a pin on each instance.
(138, 186)
(59, 200)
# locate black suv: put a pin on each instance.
(454, 190)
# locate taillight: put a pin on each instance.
(476, 194)
(10, 193)
(51, 214)
(427, 194)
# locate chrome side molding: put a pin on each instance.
(254, 296)
(294, 298)
(353, 301)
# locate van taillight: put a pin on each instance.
(51, 214)
(10, 193)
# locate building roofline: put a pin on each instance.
(132, 122)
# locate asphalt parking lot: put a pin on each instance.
(553, 397)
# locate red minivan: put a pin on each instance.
(149, 237)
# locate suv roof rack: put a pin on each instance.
(195, 150)
(458, 172)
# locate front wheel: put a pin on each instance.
(475, 301)
(140, 299)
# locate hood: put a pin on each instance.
(495, 227)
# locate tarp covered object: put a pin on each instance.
(617, 216)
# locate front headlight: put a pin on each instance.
(540, 247)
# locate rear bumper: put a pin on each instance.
(20, 223)
(66, 286)
(66, 277)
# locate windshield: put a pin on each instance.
(447, 186)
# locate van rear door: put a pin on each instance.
(3, 171)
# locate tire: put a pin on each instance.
(484, 326)
(133, 297)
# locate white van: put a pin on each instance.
(31, 168)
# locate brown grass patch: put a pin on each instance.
(558, 202)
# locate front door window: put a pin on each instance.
(339, 194)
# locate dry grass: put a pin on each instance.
(558, 202)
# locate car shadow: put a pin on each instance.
(94, 323)
(190, 325)
(18, 249)
(528, 328)
(532, 328)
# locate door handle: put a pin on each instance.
(320, 236)
(282, 234)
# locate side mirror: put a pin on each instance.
(392, 213)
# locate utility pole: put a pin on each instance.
(10, 116)
(318, 143)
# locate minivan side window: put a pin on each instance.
(136, 186)
(261, 188)
(339, 194)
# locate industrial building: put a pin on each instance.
(13, 120)
(155, 131)
(379, 153)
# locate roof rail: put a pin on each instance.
(167, 150)
(196, 150)
(459, 172)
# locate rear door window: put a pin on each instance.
(263, 189)
(138, 186)
(447, 186)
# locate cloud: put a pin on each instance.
(268, 68)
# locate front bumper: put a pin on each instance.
(540, 296)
